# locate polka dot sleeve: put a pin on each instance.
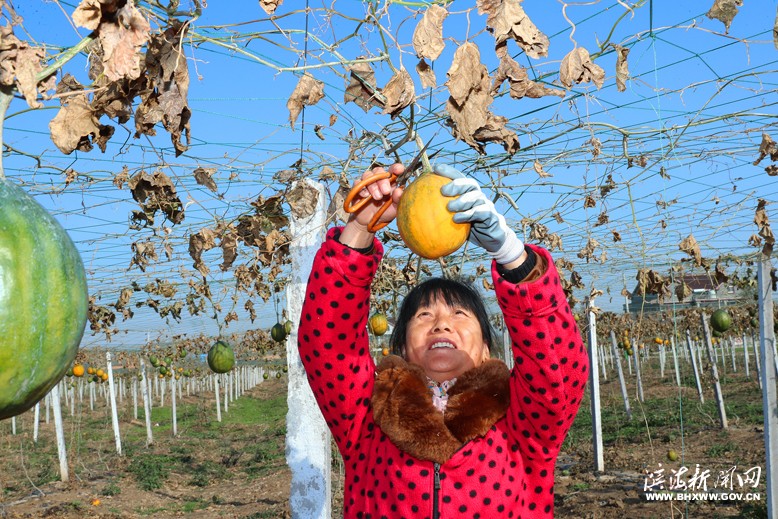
(551, 363)
(332, 336)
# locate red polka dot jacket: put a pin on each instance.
(492, 453)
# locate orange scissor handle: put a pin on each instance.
(351, 206)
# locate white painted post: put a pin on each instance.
(135, 398)
(745, 356)
(60, 434)
(693, 356)
(37, 418)
(636, 358)
(620, 372)
(216, 393)
(112, 396)
(13, 426)
(769, 393)
(601, 355)
(47, 402)
(661, 361)
(594, 391)
(145, 391)
(714, 372)
(732, 354)
(308, 447)
(675, 361)
(757, 359)
(173, 400)
(226, 383)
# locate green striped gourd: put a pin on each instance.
(221, 358)
(43, 301)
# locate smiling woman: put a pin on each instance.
(443, 327)
(419, 428)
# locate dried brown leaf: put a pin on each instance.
(88, 14)
(198, 243)
(362, 88)
(578, 67)
(651, 282)
(596, 146)
(308, 92)
(399, 92)
(122, 177)
(682, 291)
(602, 219)
(302, 199)
(767, 147)
(507, 20)
(204, 177)
(520, 84)
(467, 106)
(587, 252)
(122, 37)
(426, 75)
(724, 11)
(229, 246)
(622, 68)
(156, 192)
(720, 275)
(270, 6)
(76, 128)
(143, 254)
(538, 167)
(616, 236)
(428, 35)
(335, 210)
(166, 99)
(690, 246)
(763, 223)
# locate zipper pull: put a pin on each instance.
(437, 476)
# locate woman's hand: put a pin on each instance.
(488, 227)
(355, 234)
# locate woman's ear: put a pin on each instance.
(486, 354)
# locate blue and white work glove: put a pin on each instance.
(488, 228)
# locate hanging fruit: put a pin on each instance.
(377, 324)
(288, 326)
(278, 332)
(43, 300)
(221, 358)
(424, 222)
(720, 321)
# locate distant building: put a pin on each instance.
(705, 293)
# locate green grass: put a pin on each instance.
(150, 470)
(663, 417)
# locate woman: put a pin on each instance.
(441, 430)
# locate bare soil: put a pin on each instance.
(237, 468)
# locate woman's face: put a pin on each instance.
(445, 340)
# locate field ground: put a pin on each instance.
(236, 468)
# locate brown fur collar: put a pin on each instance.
(402, 407)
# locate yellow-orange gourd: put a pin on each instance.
(424, 223)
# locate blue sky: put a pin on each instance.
(696, 104)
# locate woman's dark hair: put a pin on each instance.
(453, 293)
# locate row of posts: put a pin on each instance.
(226, 387)
(766, 358)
